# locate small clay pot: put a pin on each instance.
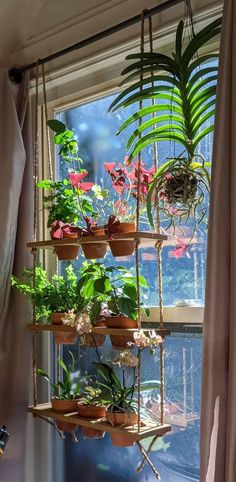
(62, 337)
(95, 250)
(88, 411)
(92, 340)
(66, 252)
(123, 248)
(122, 419)
(120, 342)
(65, 406)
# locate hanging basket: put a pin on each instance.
(65, 406)
(123, 247)
(62, 337)
(92, 412)
(122, 419)
(95, 250)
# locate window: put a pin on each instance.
(183, 278)
(177, 454)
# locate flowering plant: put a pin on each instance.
(125, 182)
(68, 200)
(151, 340)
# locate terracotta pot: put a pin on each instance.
(66, 252)
(92, 340)
(95, 250)
(62, 337)
(88, 411)
(122, 419)
(92, 433)
(123, 248)
(65, 406)
(120, 342)
(119, 322)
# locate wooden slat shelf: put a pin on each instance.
(97, 330)
(146, 239)
(147, 429)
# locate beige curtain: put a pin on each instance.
(218, 418)
(15, 229)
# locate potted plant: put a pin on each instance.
(67, 201)
(122, 411)
(111, 294)
(185, 85)
(52, 299)
(65, 393)
(123, 218)
(92, 405)
(94, 250)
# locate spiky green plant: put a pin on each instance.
(182, 91)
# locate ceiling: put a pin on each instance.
(36, 28)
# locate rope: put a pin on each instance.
(137, 243)
(35, 225)
(147, 459)
(159, 281)
(47, 128)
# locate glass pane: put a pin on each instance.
(95, 128)
(176, 455)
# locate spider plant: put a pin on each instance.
(182, 91)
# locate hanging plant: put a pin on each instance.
(184, 88)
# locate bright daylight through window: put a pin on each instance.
(176, 454)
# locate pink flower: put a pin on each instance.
(109, 166)
(76, 177)
(180, 250)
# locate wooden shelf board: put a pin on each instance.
(147, 429)
(145, 239)
(97, 330)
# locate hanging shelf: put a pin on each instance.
(145, 239)
(96, 330)
(147, 429)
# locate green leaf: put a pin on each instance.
(197, 65)
(178, 41)
(202, 120)
(138, 85)
(201, 135)
(162, 128)
(56, 126)
(155, 136)
(148, 111)
(206, 34)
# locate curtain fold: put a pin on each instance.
(218, 421)
(16, 202)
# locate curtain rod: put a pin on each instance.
(15, 74)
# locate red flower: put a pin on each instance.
(76, 177)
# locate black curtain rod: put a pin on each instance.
(15, 74)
